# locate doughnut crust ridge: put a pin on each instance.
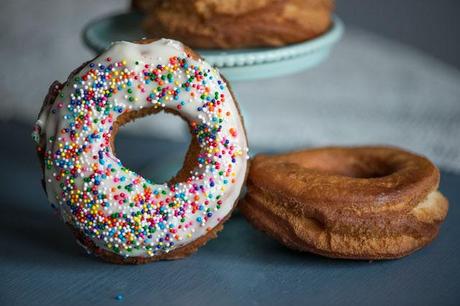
(306, 201)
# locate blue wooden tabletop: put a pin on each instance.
(40, 263)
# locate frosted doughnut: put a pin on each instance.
(114, 212)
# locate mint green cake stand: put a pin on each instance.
(236, 65)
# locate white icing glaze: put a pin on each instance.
(116, 208)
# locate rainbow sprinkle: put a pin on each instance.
(117, 208)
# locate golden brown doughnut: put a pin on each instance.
(144, 5)
(113, 212)
(357, 203)
(234, 24)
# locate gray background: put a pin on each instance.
(416, 42)
(429, 25)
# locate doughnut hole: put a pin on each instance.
(162, 157)
(341, 163)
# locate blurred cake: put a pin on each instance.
(234, 24)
